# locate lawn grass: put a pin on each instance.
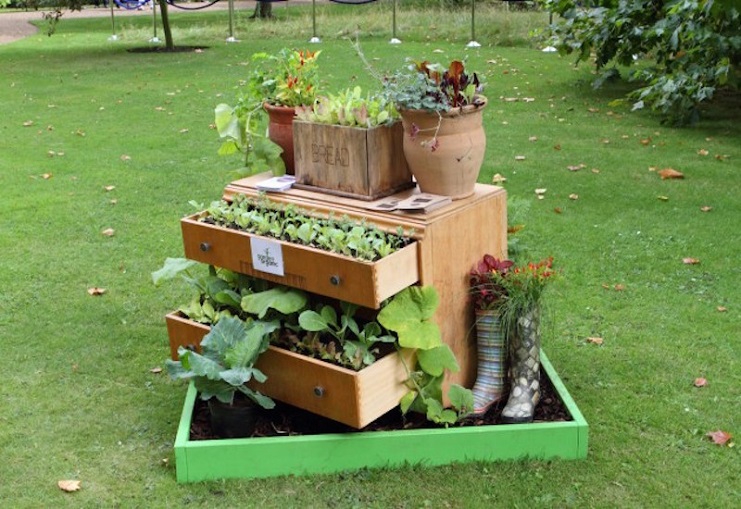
(80, 401)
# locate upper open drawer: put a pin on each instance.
(322, 272)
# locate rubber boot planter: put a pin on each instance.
(492, 363)
(524, 369)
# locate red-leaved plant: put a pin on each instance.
(511, 289)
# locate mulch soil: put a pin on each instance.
(287, 420)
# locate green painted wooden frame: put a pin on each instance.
(297, 455)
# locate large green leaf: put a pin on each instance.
(409, 314)
(227, 123)
(312, 321)
(436, 360)
(171, 268)
(285, 300)
(223, 336)
(214, 389)
(460, 398)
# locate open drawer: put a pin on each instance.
(364, 283)
(355, 398)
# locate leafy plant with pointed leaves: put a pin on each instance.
(227, 361)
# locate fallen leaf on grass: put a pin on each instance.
(46, 176)
(720, 437)
(69, 485)
(573, 196)
(670, 173)
(532, 138)
(706, 208)
(498, 179)
(95, 291)
(156, 370)
(663, 198)
(595, 340)
(540, 193)
(702, 152)
(515, 228)
(28, 123)
(109, 188)
(577, 167)
(108, 232)
(557, 210)
(690, 261)
(721, 309)
(700, 382)
(646, 141)
(557, 147)
(519, 158)
(124, 157)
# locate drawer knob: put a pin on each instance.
(318, 391)
(205, 246)
(335, 280)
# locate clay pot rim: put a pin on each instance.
(481, 102)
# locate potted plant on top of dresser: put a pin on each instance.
(350, 144)
(441, 109)
(277, 84)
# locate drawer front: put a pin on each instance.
(343, 395)
(363, 283)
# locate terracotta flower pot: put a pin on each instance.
(280, 131)
(445, 152)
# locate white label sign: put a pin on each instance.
(267, 256)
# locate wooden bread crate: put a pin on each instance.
(354, 162)
(360, 282)
(355, 398)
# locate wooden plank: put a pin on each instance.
(338, 452)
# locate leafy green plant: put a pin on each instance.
(345, 236)
(227, 361)
(432, 87)
(220, 291)
(409, 314)
(356, 347)
(350, 108)
(286, 78)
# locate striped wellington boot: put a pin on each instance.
(492, 356)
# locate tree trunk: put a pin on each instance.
(169, 45)
(263, 10)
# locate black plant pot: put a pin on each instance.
(237, 420)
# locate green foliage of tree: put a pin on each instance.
(694, 47)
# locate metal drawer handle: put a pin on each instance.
(205, 246)
(335, 280)
(318, 391)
